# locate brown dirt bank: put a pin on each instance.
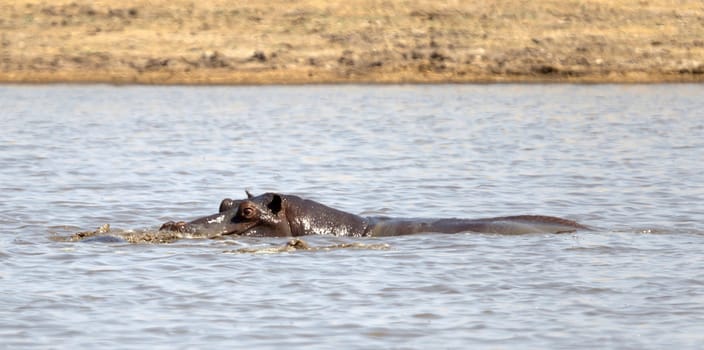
(364, 41)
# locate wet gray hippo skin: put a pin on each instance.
(279, 215)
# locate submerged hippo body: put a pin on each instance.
(278, 215)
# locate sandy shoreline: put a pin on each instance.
(393, 41)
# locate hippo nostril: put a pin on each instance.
(174, 226)
(166, 226)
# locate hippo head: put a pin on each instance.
(255, 216)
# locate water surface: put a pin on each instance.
(624, 159)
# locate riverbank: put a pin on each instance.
(366, 41)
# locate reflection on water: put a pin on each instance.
(625, 159)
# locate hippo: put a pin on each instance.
(280, 215)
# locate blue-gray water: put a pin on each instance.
(627, 160)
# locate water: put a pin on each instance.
(624, 159)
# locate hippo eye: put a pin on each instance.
(247, 212)
(226, 205)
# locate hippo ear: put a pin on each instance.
(275, 205)
(249, 195)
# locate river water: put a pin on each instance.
(627, 160)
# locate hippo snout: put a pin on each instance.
(180, 226)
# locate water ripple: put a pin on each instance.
(623, 159)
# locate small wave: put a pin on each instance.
(297, 244)
(104, 234)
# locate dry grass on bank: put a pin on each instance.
(314, 41)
